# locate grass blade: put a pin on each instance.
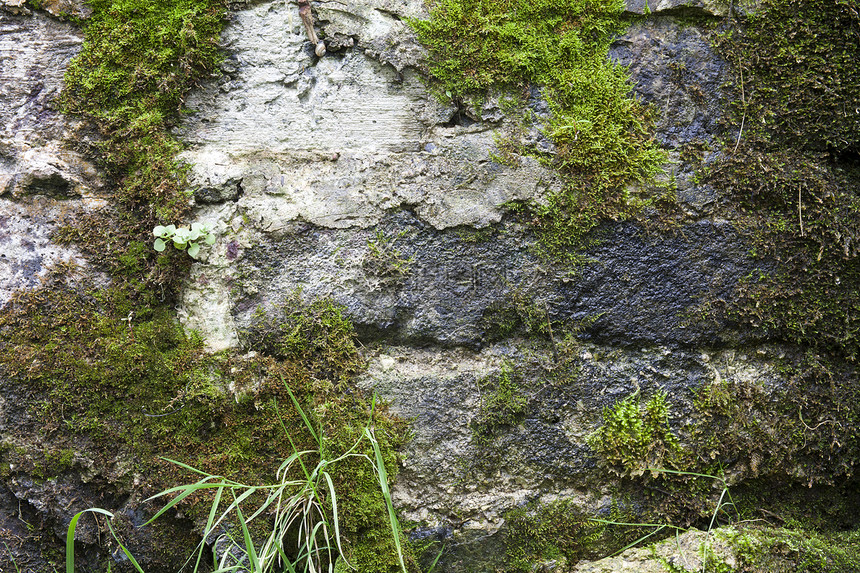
(303, 415)
(334, 517)
(209, 524)
(382, 475)
(436, 560)
(70, 539)
(249, 545)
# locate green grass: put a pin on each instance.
(290, 525)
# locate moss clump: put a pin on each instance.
(760, 550)
(135, 385)
(315, 334)
(547, 532)
(802, 428)
(794, 170)
(139, 59)
(795, 505)
(635, 438)
(384, 260)
(562, 533)
(599, 130)
(502, 405)
(520, 314)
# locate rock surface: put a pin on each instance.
(343, 177)
(683, 553)
(696, 7)
(340, 141)
(450, 475)
(42, 177)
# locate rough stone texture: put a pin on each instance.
(674, 69)
(635, 289)
(450, 480)
(306, 206)
(710, 7)
(42, 177)
(340, 141)
(57, 8)
(26, 249)
(696, 7)
(303, 164)
(36, 153)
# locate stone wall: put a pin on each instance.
(345, 178)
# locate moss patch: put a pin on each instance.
(794, 171)
(796, 551)
(600, 132)
(802, 428)
(558, 534)
(139, 59)
(502, 405)
(142, 389)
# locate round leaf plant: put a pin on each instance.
(183, 237)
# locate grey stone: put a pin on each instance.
(42, 177)
(635, 289)
(458, 488)
(707, 7)
(301, 163)
(674, 69)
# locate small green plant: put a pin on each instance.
(183, 237)
(384, 259)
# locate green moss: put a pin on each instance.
(561, 532)
(520, 313)
(761, 550)
(315, 334)
(502, 405)
(823, 509)
(384, 259)
(635, 438)
(599, 130)
(539, 532)
(139, 59)
(476, 236)
(137, 385)
(801, 428)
